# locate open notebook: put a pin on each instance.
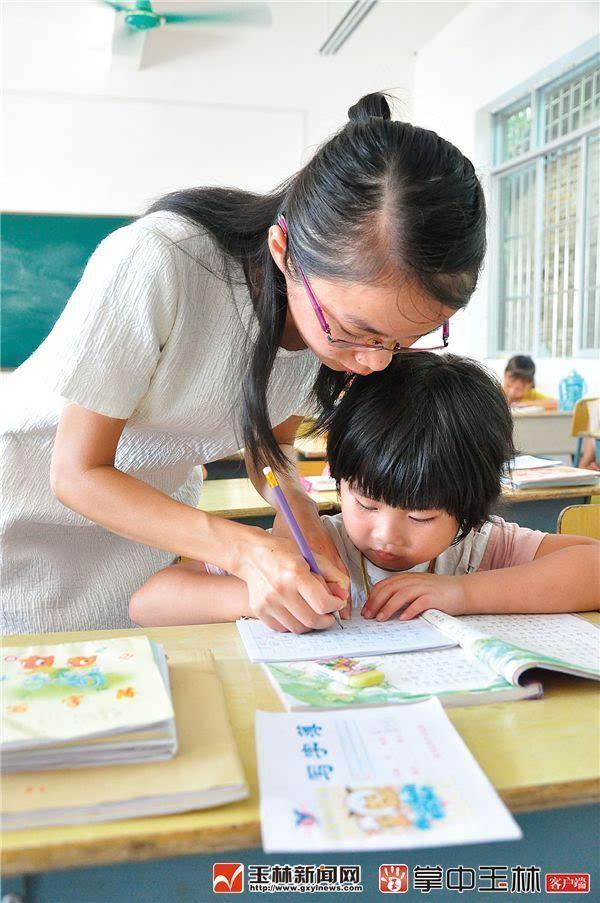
(359, 636)
(372, 780)
(489, 664)
(75, 705)
(205, 772)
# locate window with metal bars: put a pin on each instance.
(545, 184)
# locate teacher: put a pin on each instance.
(216, 321)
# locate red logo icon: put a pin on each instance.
(567, 883)
(393, 879)
(228, 878)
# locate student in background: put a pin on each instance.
(519, 384)
(418, 451)
(588, 455)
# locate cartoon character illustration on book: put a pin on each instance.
(37, 662)
(43, 676)
(82, 661)
(394, 808)
(377, 809)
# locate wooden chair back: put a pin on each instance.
(580, 520)
(586, 417)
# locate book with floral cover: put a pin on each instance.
(205, 772)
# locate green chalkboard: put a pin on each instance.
(43, 257)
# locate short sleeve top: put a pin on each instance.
(497, 544)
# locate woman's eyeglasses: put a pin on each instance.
(343, 343)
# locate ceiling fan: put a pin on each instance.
(136, 19)
(140, 16)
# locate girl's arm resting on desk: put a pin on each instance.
(564, 576)
(186, 594)
(84, 478)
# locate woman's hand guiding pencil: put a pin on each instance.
(295, 530)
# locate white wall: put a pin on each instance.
(484, 52)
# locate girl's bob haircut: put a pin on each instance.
(428, 432)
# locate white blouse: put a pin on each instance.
(154, 333)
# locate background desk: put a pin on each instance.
(539, 754)
(535, 508)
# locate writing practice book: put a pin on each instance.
(490, 664)
(374, 779)
(512, 644)
(358, 637)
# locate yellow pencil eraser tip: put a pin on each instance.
(270, 476)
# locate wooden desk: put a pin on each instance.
(539, 508)
(311, 446)
(538, 754)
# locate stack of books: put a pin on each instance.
(76, 705)
(88, 734)
(529, 472)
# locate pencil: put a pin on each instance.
(295, 529)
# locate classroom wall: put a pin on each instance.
(483, 53)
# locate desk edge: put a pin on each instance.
(186, 842)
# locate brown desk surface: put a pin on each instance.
(539, 754)
(238, 498)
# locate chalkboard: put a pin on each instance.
(43, 257)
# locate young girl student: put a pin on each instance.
(418, 451)
(518, 383)
(202, 328)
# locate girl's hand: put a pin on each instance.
(283, 592)
(410, 594)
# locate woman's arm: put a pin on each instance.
(83, 477)
(564, 576)
(281, 589)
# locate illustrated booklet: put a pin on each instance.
(384, 778)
